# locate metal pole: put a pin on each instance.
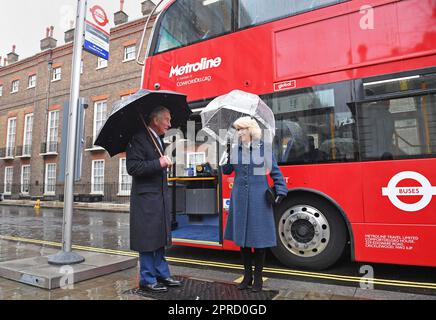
(66, 256)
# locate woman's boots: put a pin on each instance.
(259, 260)
(248, 271)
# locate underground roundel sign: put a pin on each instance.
(99, 15)
(425, 190)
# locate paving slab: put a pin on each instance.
(36, 271)
(113, 286)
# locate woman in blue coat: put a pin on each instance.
(250, 223)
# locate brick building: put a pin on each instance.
(33, 92)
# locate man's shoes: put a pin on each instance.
(155, 287)
(170, 282)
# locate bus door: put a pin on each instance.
(194, 185)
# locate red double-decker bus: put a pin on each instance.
(352, 85)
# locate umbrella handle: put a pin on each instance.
(151, 135)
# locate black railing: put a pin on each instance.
(82, 193)
(8, 152)
(89, 144)
(23, 151)
(27, 150)
(16, 191)
(51, 147)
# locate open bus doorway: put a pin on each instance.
(194, 183)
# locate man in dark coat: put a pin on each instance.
(150, 219)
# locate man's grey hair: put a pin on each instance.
(157, 113)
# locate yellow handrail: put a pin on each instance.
(192, 179)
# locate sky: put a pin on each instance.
(24, 22)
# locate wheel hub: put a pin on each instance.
(304, 230)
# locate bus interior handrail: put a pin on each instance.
(144, 32)
(395, 95)
(398, 137)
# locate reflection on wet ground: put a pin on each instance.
(111, 287)
(90, 228)
(110, 230)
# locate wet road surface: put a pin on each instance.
(110, 230)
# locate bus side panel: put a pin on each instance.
(397, 244)
(227, 184)
(348, 46)
(332, 49)
(400, 192)
(417, 26)
(250, 69)
(339, 182)
(400, 221)
(306, 50)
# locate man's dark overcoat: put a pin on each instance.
(150, 219)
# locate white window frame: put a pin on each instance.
(57, 74)
(1, 90)
(10, 138)
(121, 183)
(129, 51)
(94, 177)
(101, 63)
(8, 180)
(52, 177)
(99, 116)
(25, 181)
(125, 96)
(15, 86)
(31, 83)
(27, 137)
(52, 129)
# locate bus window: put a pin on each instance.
(188, 21)
(386, 85)
(253, 12)
(314, 125)
(398, 128)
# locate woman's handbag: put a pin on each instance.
(271, 195)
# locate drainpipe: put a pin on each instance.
(47, 104)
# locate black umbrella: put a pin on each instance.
(125, 118)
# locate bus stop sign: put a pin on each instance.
(97, 32)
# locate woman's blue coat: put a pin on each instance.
(250, 222)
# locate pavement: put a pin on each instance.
(114, 286)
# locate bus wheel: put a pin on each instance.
(311, 233)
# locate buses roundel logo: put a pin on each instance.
(425, 190)
(99, 15)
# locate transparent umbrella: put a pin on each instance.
(219, 115)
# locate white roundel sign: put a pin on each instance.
(426, 190)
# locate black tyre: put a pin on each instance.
(310, 233)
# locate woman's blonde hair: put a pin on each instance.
(250, 124)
